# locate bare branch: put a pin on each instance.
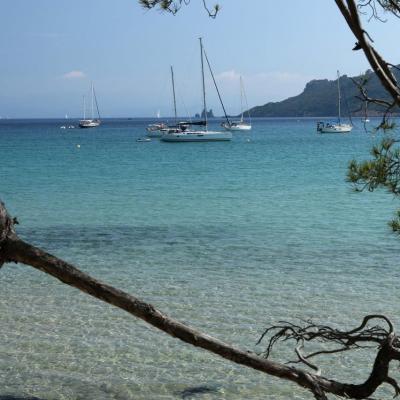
(394, 384)
(173, 6)
(304, 360)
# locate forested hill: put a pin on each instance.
(319, 99)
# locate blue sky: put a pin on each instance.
(51, 50)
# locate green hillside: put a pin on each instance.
(319, 99)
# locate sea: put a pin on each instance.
(227, 237)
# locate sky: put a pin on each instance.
(51, 51)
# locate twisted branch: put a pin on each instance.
(363, 336)
(348, 340)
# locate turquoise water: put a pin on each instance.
(227, 237)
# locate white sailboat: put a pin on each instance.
(159, 129)
(332, 127)
(188, 135)
(93, 122)
(240, 125)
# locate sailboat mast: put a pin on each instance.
(92, 101)
(204, 86)
(338, 85)
(173, 92)
(97, 105)
(84, 107)
(216, 87)
(245, 101)
(241, 98)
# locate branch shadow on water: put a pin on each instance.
(9, 397)
(196, 392)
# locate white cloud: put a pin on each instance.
(230, 75)
(74, 75)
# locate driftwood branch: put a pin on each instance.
(13, 249)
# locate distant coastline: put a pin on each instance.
(319, 99)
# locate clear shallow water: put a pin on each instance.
(228, 237)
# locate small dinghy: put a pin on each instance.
(143, 139)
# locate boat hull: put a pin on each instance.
(237, 126)
(241, 128)
(197, 136)
(334, 128)
(89, 123)
(154, 134)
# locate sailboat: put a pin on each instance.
(90, 123)
(157, 130)
(338, 127)
(183, 134)
(240, 125)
